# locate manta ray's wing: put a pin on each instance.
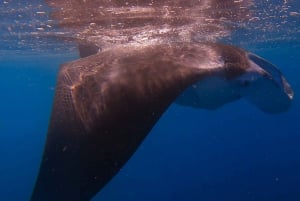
(104, 107)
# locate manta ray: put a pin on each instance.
(138, 57)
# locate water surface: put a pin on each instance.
(234, 153)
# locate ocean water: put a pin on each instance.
(234, 153)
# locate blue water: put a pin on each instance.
(235, 153)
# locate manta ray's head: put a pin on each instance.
(239, 74)
(264, 85)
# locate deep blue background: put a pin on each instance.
(235, 153)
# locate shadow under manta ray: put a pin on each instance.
(106, 103)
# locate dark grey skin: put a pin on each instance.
(106, 104)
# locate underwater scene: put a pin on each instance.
(148, 100)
